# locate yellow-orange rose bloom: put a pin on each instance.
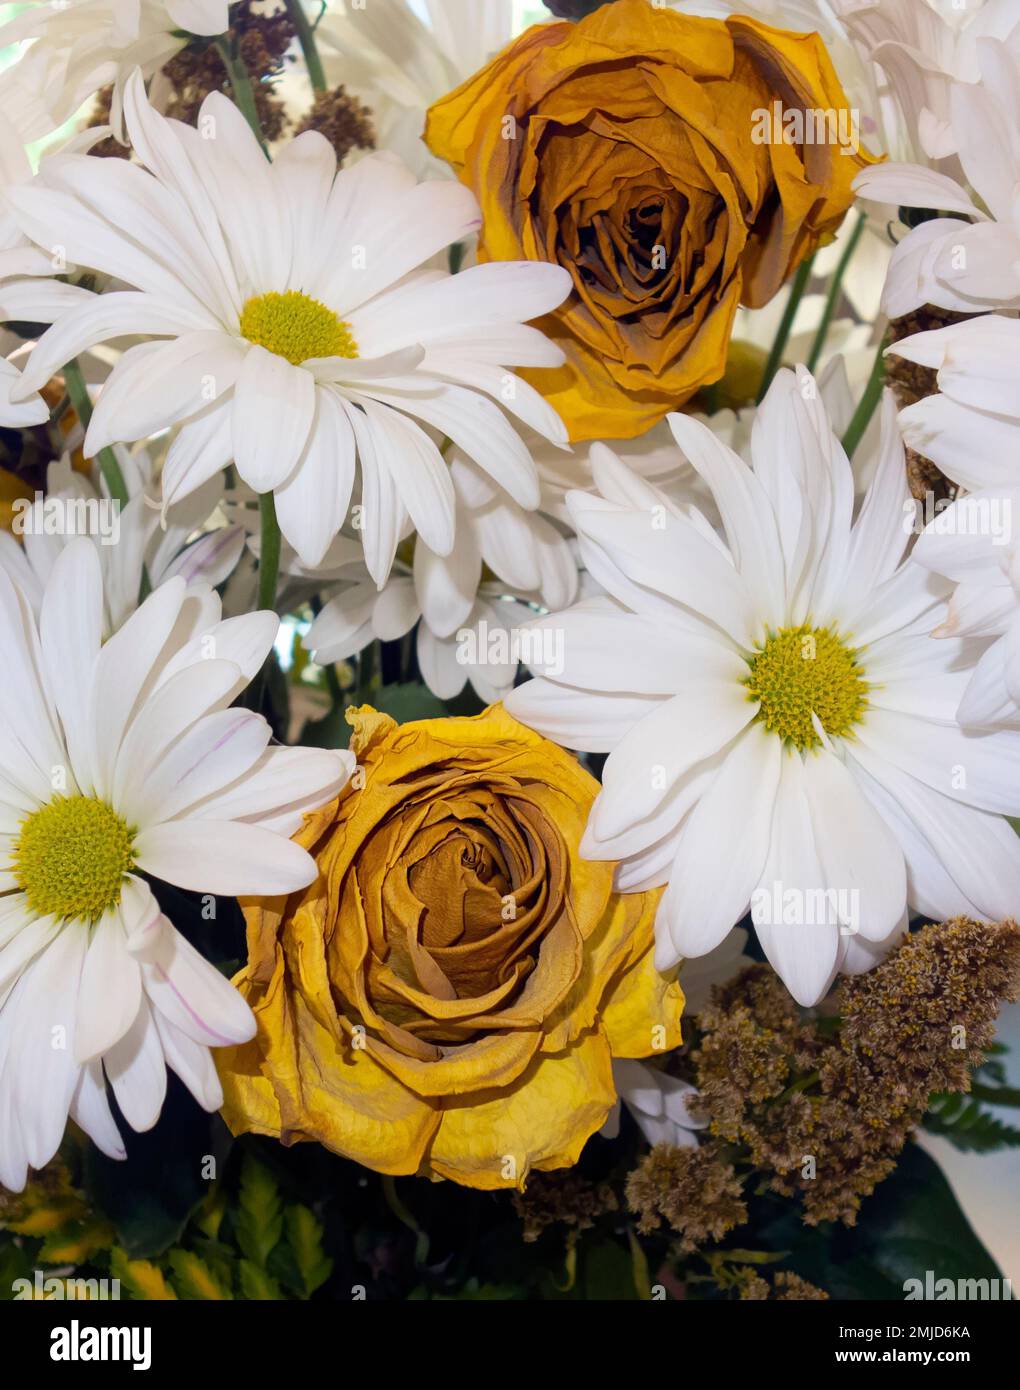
(623, 148)
(448, 996)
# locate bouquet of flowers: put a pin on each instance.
(510, 621)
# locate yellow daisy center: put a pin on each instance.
(71, 858)
(800, 671)
(296, 326)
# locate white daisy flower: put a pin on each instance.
(468, 625)
(131, 543)
(970, 428)
(975, 542)
(781, 730)
(970, 267)
(298, 338)
(74, 48)
(120, 760)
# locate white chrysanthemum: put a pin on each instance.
(401, 64)
(467, 622)
(781, 729)
(971, 267)
(119, 760)
(970, 427)
(975, 542)
(130, 544)
(18, 259)
(923, 48)
(298, 337)
(75, 48)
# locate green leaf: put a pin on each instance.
(142, 1279)
(304, 1236)
(194, 1280)
(257, 1285)
(75, 1243)
(14, 1264)
(996, 1095)
(409, 701)
(968, 1127)
(331, 731)
(910, 1224)
(639, 1265)
(260, 1212)
(914, 1223)
(209, 1217)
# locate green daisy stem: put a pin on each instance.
(79, 396)
(775, 360)
(336, 695)
(306, 38)
(867, 404)
(240, 82)
(269, 551)
(832, 298)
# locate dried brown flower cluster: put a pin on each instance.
(826, 1111)
(110, 148)
(343, 120)
(262, 38)
(695, 1191)
(816, 1108)
(911, 383)
(562, 1199)
(786, 1287)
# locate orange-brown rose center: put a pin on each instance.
(465, 888)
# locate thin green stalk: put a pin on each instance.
(306, 38)
(240, 82)
(366, 672)
(336, 695)
(108, 465)
(867, 404)
(269, 551)
(406, 1216)
(831, 299)
(775, 359)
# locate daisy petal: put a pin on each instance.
(212, 856)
